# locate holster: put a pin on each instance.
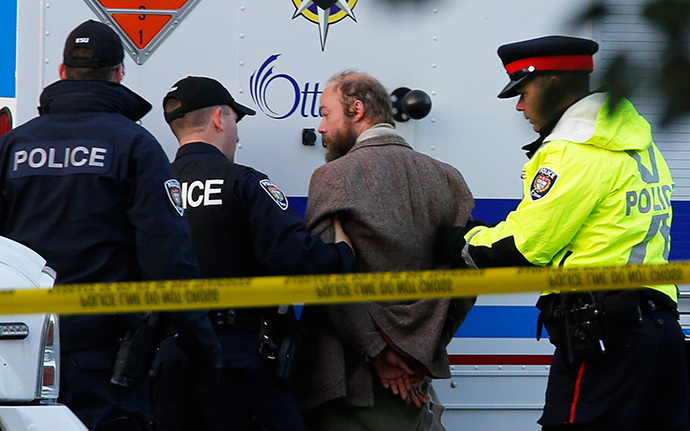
(579, 324)
(135, 352)
(285, 358)
(284, 334)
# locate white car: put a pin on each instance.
(30, 351)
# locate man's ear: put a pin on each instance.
(555, 81)
(217, 118)
(61, 71)
(119, 74)
(358, 110)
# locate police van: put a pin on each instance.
(437, 58)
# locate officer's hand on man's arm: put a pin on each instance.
(450, 240)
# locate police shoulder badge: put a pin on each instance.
(172, 188)
(275, 193)
(542, 183)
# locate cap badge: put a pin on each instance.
(542, 183)
(274, 192)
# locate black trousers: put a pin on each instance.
(641, 383)
(86, 389)
(248, 399)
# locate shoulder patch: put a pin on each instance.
(274, 192)
(542, 183)
(174, 192)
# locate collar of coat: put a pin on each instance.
(379, 134)
(69, 96)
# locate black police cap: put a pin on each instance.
(196, 92)
(102, 40)
(545, 54)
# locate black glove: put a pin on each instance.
(450, 240)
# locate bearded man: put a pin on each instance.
(368, 366)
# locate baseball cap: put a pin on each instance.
(101, 39)
(545, 54)
(196, 92)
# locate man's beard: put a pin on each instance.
(341, 142)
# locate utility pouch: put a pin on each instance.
(551, 317)
(135, 352)
(623, 308)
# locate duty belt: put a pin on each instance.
(230, 319)
(585, 324)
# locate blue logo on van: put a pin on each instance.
(279, 95)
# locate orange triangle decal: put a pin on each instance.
(139, 4)
(142, 24)
(141, 31)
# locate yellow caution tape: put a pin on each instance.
(328, 289)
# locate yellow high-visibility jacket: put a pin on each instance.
(596, 193)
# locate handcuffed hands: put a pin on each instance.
(395, 374)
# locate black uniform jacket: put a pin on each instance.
(243, 226)
(92, 192)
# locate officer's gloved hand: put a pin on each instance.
(206, 375)
(450, 240)
(448, 248)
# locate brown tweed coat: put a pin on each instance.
(391, 201)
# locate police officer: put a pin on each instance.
(93, 193)
(242, 226)
(597, 192)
